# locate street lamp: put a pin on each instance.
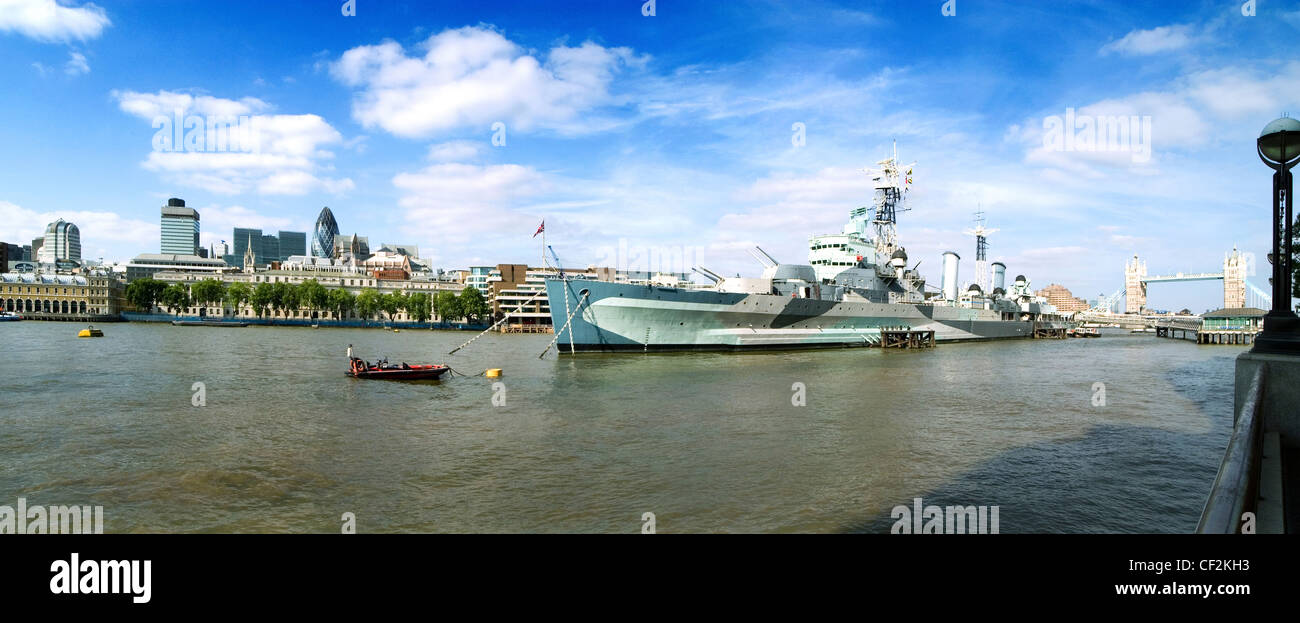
(1279, 148)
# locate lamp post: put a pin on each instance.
(1279, 148)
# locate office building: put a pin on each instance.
(180, 228)
(149, 264)
(219, 250)
(62, 241)
(292, 243)
(270, 250)
(322, 240)
(242, 238)
(1062, 298)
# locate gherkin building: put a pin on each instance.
(322, 240)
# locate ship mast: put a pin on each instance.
(981, 234)
(891, 192)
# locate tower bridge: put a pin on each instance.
(1237, 290)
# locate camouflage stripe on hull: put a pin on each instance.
(624, 317)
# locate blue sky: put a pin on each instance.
(666, 134)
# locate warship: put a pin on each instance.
(856, 285)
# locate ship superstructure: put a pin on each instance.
(857, 283)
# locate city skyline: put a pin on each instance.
(688, 129)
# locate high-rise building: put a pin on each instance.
(322, 240)
(244, 238)
(37, 243)
(180, 228)
(292, 243)
(270, 249)
(9, 253)
(62, 241)
(27, 253)
(218, 249)
(1062, 298)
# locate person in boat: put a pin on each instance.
(350, 357)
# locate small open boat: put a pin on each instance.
(397, 372)
(9, 317)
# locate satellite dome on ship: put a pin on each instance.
(899, 258)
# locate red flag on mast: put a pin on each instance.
(540, 228)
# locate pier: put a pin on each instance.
(906, 338)
(527, 328)
(1050, 333)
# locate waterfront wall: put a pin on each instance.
(352, 323)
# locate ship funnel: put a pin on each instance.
(949, 281)
(999, 276)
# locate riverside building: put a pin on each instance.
(38, 296)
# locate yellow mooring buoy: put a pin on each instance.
(493, 373)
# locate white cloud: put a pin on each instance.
(166, 103)
(1153, 41)
(465, 198)
(20, 225)
(474, 76)
(76, 64)
(47, 20)
(1194, 112)
(453, 151)
(286, 156)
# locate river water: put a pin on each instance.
(284, 442)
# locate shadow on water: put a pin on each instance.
(1039, 488)
(1099, 483)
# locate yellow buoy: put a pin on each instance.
(90, 332)
(397, 330)
(493, 373)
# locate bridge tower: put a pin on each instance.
(1234, 279)
(1135, 287)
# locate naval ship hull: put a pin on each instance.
(596, 316)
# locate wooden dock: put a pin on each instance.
(527, 328)
(906, 338)
(1050, 333)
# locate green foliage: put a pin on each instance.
(261, 298)
(313, 295)
(175, 298)
(447, 306)
(368, 302)
(145, 294)
(284, 296)
(1295, 259)
(340, 302)
(392, 303)
(208, 292)
(420, 306)
(472, 303)
(238, 294)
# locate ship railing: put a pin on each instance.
(1236, 488)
